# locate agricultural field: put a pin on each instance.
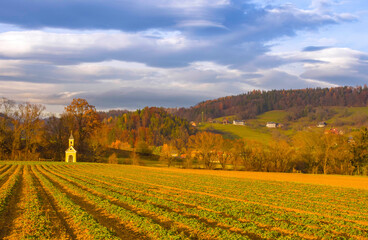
(101, 201)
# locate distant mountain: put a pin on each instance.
(251, 104)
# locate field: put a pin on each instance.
(101, 201)
(346, 118)
(231, 131)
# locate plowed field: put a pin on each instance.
(101, 201)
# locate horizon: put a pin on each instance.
(128, 55)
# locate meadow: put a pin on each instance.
(102, 201)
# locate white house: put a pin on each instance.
(321, 124)
(238, 122)
(272, 125)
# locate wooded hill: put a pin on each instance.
(251, 104)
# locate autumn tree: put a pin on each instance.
(28, 127)
(359, 150)
(280, 156)
(6, 132)
(56, 134)
(206, 146)
(166, 154)
(226, 152)
(83, 120)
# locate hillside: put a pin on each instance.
(346, 119)
(251, 104)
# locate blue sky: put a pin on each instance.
(132, 54)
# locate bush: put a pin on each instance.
(113, 159)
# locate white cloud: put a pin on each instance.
(39, 42)
(331, 66)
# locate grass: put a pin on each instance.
(235, 132)
(347, 119)
(272, 116)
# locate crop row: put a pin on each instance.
(35, 224)
(308, 196)
(8, 187)
(235, 220)
(179, 225)
(296, 222)
(89, 228)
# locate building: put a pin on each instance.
(321, 124)
(71, 153)
(334, 131)
(237, 122)
(272, 125)
(225, 122)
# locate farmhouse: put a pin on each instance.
(321, 124)
(334, 131)
(272, 125)
(71, 153)
(239, 122)
(225, 122)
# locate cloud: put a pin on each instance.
(334, 66)
(167, 53)
(174, 34)
(314, 48)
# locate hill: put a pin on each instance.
(345, 119)
(251, 104)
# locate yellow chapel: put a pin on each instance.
(71, 153)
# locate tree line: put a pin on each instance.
(27, 134)
(253, 103)
(310, 151)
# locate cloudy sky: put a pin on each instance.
(135, 53)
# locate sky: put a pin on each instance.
(128, 54)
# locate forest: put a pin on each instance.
(26, 133)
(253, 103)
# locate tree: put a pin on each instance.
(280, 156)
(6, 132)
(206, 146)
(226, 154)
(83, 120)
(166, 154)
(56, 136)
(359, 150)
(29, 125)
